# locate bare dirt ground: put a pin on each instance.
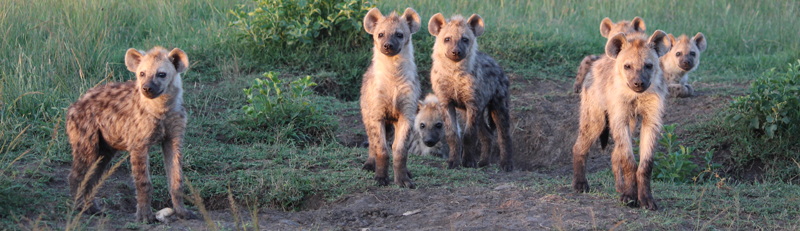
(545, 125)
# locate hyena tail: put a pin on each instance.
(604, 135)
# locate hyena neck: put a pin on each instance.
(171, 100)
(400, 65)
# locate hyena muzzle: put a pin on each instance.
(463, 77)
(683, 58)
(389, 92)
(607, 28)
(625, 83)
(131, 116)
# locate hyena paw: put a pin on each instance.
(507, 166)
(369, 166)
(581, 186)
(689, 90)
(577, 87)
(453, 164)
(404, 181)
(186, 215)
(648, 202)
(629, 199)
(146, 216)
(382, 180)
(93, 210)
(469, 163)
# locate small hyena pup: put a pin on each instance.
(607, 28)
(131, 116)
(465, 78)
(389, 92)
(684, 57)
(624, 83)
(429, 129)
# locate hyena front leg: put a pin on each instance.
(471, 130)
(454, 140)
(622, 157)
(650, 128)
(592, 123)
(378, 159)
(173, 159)
(144, 188)
(680, 90)
(502, 121)
(402, 177)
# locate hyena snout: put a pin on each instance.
(431, 140)
(455, 55)
(639, 85)
(686, 64)
(390, 48)
(151, 90)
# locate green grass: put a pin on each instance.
(53, 51)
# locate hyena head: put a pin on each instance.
(636, 57)
(156, 70)
(608, 28)
(429, 122)
(392, 33)
(456, 38)
(685, 52)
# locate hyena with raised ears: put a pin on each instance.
(684, 57)
(429, 129)
(607, 28)
(465, 78)
(131, 116)
(625, 83)
(389, 92)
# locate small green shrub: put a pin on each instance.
(285, 109)
(291, 22)
(773, 106)
(676, 164)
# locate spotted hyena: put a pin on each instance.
(465, 78)
(429, 129)
(131, 116)
(625, 83)
(389, 92)
(684, 57)
(607, 28)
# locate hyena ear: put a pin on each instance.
(412, 18)
(614, 45)
(436, 23)
(179, 59)
(700, 41)
(419, 105)
(671, 38)
(605, 27)
(638, 24)
(660, 42)
(372, 19)
(132, 59)
(476, 23)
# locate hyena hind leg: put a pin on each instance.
(592, 124)
(81, 181)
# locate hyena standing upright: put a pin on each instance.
(607, 28)
(389, 92)
(621, 85)
(465, 78)
(684, 57)
(131, 116)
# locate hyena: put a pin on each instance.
(465, 78)
(132, 116)
(607, 28)
(684, 57)
(389, 92)
(429, 129)
(624, 83)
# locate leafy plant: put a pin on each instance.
(676, 164)
(291, 22)
(773, 105)
(287, 108)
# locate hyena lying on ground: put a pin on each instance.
(389, 92)
(132, 116)
(465, 78)
(429, 129)
(684, 57)
(607, 28)
(626, 82)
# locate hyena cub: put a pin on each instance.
(389, 92)
(621, 85)
(607, 28)
(131, 116)
(465, 78)
(429, 129)
(684, 57)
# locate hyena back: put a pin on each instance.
(465, 78)
(625, 83)
(429, 129)
(684, 57)
(607, 28)
(131, 116)
(389, 92)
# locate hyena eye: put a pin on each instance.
(678, 54)
(447, 39)
(438, 125)
(161, 74)
(141, 74)
(464, 40)
(421, 125)
(692, 53)
(399, 35)
(627, 66)
(648, 66)
(380, 35)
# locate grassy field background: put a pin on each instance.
(52, 51)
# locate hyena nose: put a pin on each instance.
(456, 53)
(687, 63)
(388, 46)
(146, 88)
